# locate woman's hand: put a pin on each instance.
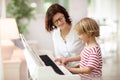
(58, 61)
(61, 60)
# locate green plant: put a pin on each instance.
(22, 12)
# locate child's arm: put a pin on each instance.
(80, 70)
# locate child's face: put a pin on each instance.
(84, 37)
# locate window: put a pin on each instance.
(42, 5)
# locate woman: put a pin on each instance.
(65, 40)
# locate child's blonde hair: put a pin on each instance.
(88, 26)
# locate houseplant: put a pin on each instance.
(22, 12)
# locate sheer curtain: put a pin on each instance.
(3, 15)
(1, 68)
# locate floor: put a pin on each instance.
(111, 68)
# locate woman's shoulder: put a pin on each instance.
(55, 31)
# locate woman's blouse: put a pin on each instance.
(71, 47)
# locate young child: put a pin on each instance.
(90, 67)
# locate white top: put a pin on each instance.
(72, 47)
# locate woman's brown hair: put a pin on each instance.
(52, 10)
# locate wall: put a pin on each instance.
(77, 9)
(105, 11)
(37, 32)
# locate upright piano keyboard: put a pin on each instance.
(42, 67)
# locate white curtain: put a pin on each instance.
(1, 67)
(3, 15)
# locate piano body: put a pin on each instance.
(38, 71)
(42, 67)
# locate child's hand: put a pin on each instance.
(68, 68)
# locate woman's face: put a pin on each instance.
(59, 20)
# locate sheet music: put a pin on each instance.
(32, 51)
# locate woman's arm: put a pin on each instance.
(74, 58)
(64, 61)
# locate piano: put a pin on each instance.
(42, 67)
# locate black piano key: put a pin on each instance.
(49, 62)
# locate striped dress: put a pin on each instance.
(92, 57)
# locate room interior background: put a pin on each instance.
(106, 12)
